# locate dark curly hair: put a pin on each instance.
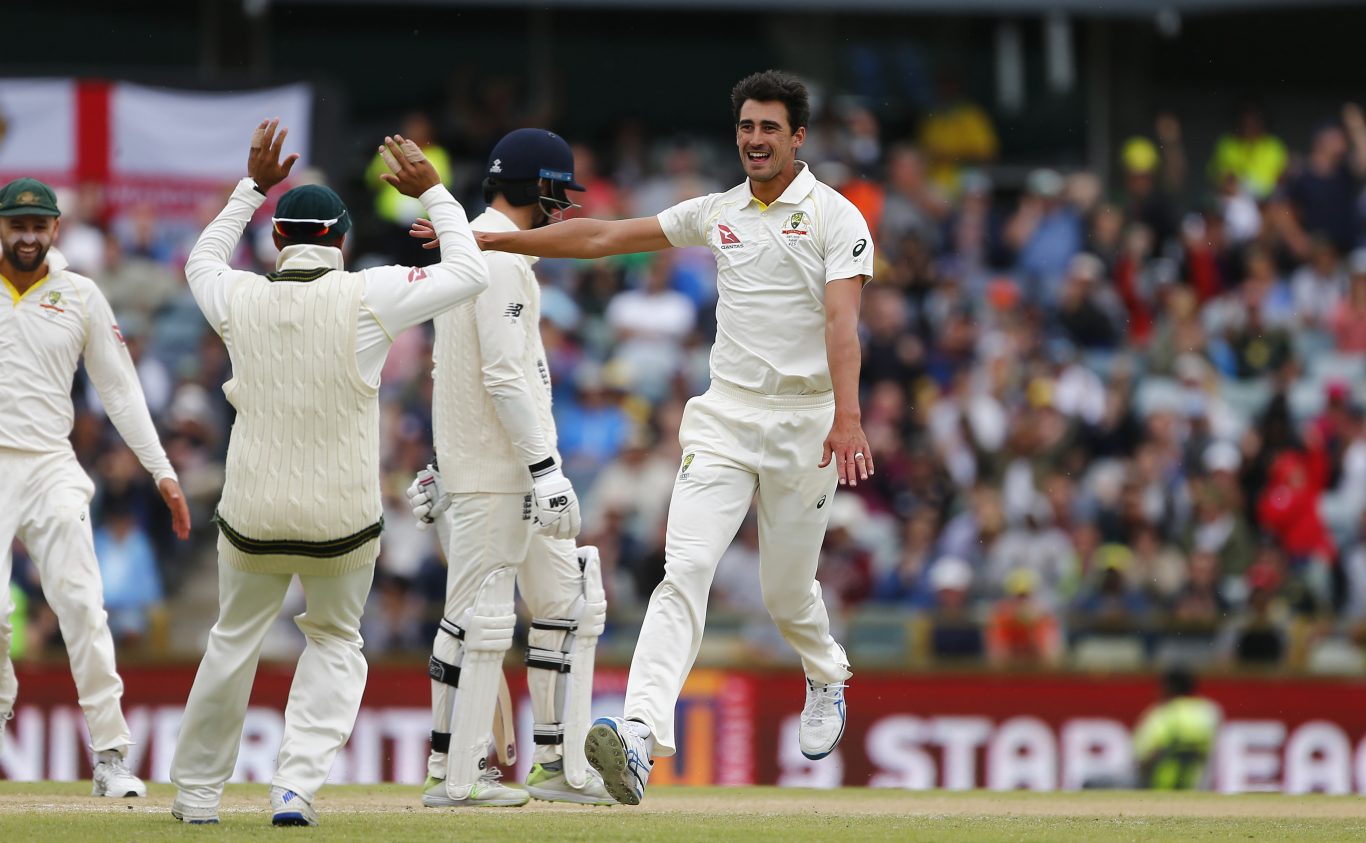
(774, 86)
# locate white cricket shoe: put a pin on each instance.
(621, 757)
(548, 783)
(112, 777)
(822, 723)
(488, 791)
(289, 808)
(194, 814)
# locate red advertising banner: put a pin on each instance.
(1044, 732)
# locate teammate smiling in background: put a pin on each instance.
(55, 318)
(792, 257)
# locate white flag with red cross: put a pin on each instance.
(171, 149)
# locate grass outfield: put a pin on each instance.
(65, 812)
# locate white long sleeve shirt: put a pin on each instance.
(395, 297)
(491, 414)
(44, 332)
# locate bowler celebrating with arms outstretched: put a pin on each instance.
(781, 415)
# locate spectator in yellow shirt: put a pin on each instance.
(1252, 155)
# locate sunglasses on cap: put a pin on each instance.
(304, 229)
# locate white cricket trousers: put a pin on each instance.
(45, 502)
(734, 443)
(484, 531)
(324, 697)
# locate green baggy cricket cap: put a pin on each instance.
(311, 210)
(28, 197)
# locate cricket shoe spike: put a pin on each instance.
(289, 808)
(113, 778)
(547, 782)
(488, 792)
(822, 723)
(621, 757)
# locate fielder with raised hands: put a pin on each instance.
(504, 510)
(51, 320)
(301, 496)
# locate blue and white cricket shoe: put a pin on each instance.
(289, 808)
(822, 723)
(621, 756)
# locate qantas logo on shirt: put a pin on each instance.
(417, 273)
(118, 335)
(729, 240)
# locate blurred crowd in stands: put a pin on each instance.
(1113, 423)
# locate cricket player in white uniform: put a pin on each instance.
(50, 319)
(781, 417)
(301, 495)
(504, 509)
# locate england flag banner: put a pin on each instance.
(172, 150)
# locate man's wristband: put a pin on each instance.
(543, 467)
(256, 187)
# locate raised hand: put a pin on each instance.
(409, 170)
(263, 161)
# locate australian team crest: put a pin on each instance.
(798, 226)
(52, 303)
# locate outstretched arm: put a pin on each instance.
(581, 238)
(399, 297)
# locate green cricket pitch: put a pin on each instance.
(40, 811)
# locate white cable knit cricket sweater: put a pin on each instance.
(302, 488)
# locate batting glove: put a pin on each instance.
(426, 498)
(554, 505)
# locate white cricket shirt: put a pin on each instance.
(491, 414)
(772, 265)
(43, 334)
